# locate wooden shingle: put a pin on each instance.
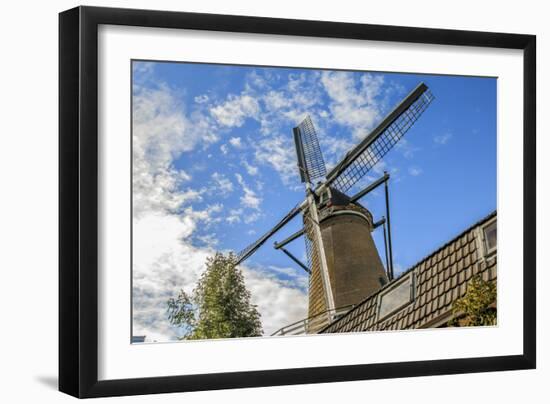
(441, 279)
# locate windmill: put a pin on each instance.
(342, 260)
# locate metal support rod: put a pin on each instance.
(290, 238)
(379, 223)
(248, 251)
(386, 250)
(296, 260)
(371, 187)
(389, 227)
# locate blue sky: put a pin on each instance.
(214, 157)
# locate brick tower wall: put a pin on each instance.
(354, 265)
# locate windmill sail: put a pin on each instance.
(320, 291)
(312, 168)
(349, 171)
(251, 249)
(380, 141)
(336, 230)
(310, 159)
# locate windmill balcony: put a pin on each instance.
(314, 324)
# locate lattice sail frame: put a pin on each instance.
(317, 295)
(310, 158)
(382, 144)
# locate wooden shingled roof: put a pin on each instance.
(438, 280)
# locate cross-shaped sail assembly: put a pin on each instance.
(342, 260)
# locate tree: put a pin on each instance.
(220, 305)
(476, 307)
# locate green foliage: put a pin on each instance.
(475, 308)
(220, 305)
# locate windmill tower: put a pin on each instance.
(343, 262)
(353, 269)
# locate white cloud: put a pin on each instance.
(380, 167)
(209, 240)
(443, 139)
(143, 70)
(201, 99)
(164, 191)
(276, 100)
(288, 271)
(341, 88)
(235, 110)
(252, 217)
(406, 148)
(354, 102)
(249, 199)
(224, 149)
(256, 80)
(279, 302)
(161, 130)
(415, 171)
(278, 152)
(250, 169)
(287, 103)
(335, 148)
(235, 142)
(222, 185)
(234, 216)
(163, 264)
(161, 133)
(206, 215)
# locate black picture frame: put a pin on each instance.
(78, 201)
